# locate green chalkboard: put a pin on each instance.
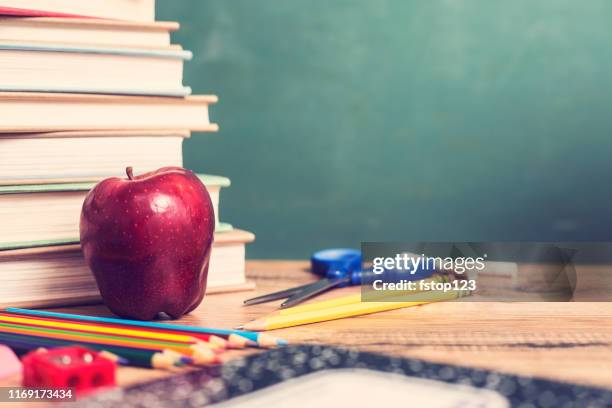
(351, 120)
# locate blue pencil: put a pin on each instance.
(260, 338)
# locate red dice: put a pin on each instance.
(74, 367)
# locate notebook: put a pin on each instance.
(323, 376)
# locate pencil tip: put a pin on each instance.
(208, 346)
(237, 341)
(186, 360)
(122, 361)
(206, 360)
(267, 341)
(255, 325)
(217, 341)
(240, 327)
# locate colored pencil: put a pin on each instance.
(200, 355)
(135, 357)
(111, 356)
(97, 329)
(357, 298)
(260, 339)
(214, 342)
(132, 357)
(356, 309)
(103, 353)
(233, 339)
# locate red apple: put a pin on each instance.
(147, 240)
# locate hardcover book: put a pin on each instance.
(57, 275)
(46, 112)
(89, 31)
(63, 157)
(135, 10)
(72, 68)
(46, 212)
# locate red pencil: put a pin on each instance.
(233, 341)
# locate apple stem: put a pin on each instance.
(130, 172)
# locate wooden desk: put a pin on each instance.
(562, 341)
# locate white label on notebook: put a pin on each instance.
(361, 388)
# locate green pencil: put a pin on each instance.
(262, 339)
(135, 357)
(201, 354)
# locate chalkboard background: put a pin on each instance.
(351, 120)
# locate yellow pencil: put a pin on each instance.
(350, 299)
(350, 310)
(101, 329)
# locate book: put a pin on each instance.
(47, 212)
(61, 157)
(44, 67)
(57, 275)
(87, 31)
(43, 112)
(135, 10)
(23, 13)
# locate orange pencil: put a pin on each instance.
(200, 355)
(210, 339)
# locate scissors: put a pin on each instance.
(338, 267)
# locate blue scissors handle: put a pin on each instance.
(338, 263)
(343, 263)
(337, 267)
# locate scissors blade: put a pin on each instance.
(281, 294)
(318, 287)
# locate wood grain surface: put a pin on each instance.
(562, 341)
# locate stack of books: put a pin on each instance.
(88, 88)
